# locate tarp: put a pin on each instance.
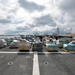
(70, 47)
(63, 41)
(2, 43)
(15, 43)
(52, 46)
(37, 46)
(24, 45)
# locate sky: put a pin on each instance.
(37, 16)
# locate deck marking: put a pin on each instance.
(46, 54)
(37, 52)
(14, 52)
(36, 70)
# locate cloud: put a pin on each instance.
(27, 16)
(43, 24)
(68, 5)
(43, 30)
(45, 20)
(5, 21)
(17, 30)
(30, 6)
(22, 28)
(67, 8)
(18, 22)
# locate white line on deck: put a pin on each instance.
(35, 65)
(37, 52)
(46, 54)
(13, 52)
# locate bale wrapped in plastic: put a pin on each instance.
(37, 44)
(37, 47)
(24, 45)
(51, 47)
(61, 42)
(9, 41)
(3, 43)
(70, 47)
(14, 44)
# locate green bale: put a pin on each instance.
(70, 47)
(9, 41)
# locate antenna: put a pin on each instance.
(57, 30)
(70, 30)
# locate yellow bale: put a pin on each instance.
(23, 47)
(49, 49)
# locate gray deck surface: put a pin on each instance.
(49, 64)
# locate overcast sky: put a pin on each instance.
(41, 16)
